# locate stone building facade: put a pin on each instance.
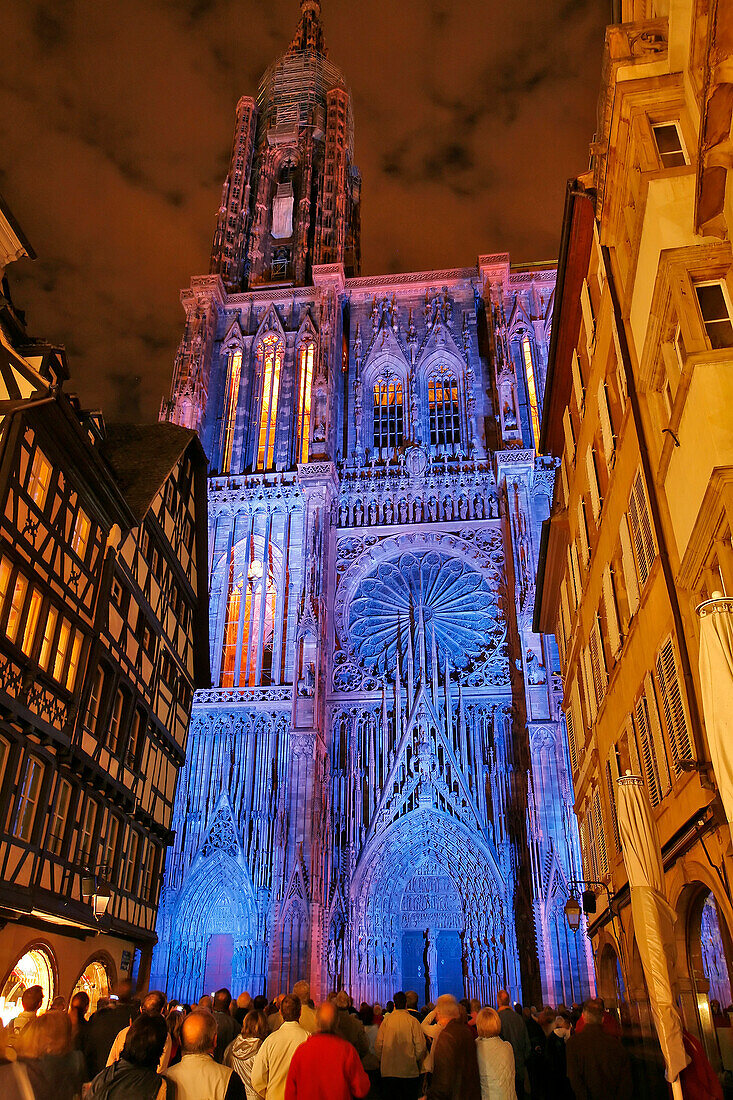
(638, 552)
(377, 792)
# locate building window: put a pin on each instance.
(669, 144)
(280, 263)
(59, 817)
(110, 843)
(86, 831)
(231, 625)
(445, 417)
(133, 741)
(15, 612)
(95, 701)
(30, 789)
(39, 479)
(306, 354)
(388, 416)
(234, 374)
(80, 534)
(269, 357)
(6, 571)
(116, 720)
(716, 314)
(128, 880)
(73, 665)
(49, 631)
(31, 621)
(63, 648)
(531, 388)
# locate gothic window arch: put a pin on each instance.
(529, 360)
(269, 358)
(444, 409)
(231, 401)
(251, 612)
(388, 412)
(305, 363)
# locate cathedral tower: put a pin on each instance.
(376, 788)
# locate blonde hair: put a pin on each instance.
(488, 1023)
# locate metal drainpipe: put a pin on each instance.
(700, 754)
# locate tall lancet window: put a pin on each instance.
(445, 413)
(231, 624)
(388, 415)
(269, 358)
(230, 409)
(306, 355)
(531, 388)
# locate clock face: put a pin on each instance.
(416, 461)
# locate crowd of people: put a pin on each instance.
(289, 1049)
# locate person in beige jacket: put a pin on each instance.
(401, 1049)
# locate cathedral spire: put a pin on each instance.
(309, 34)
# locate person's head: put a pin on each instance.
(400, 1000)
(259, 1004)
(290, 1009)
(244, 1001)
(366, 1014)
(488, 1023)
(124, 990)
(255, 1025)
(58, 1004)
(377, 1008)
(32, 998)
(411, 996)
(466, 1005)
(326, 1017)
(47, 1034)
(715, 1006)
(222, 1000)
(302, 991)
(145, 1041)
(503, 1000)
(198, 1033)
(518, 1009)
(546, 1019)
(153, 1003)
(475, 1006)
(563, 1024)
(447, 1009)
(390, 1006)
(205, 1003)
(79, 1004)
(593, 1010)
(173, 1021)
(342, 999)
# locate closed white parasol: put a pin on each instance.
(653, 918)
(716, 680)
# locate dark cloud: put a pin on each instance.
(117, 125)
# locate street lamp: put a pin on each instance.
(96, 892)
(573, 913)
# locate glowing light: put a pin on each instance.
(235, 371)
(531, 389)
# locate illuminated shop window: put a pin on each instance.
(388, 416)
(305, 375)
(531, 388)
(269, 358)
(94, 982)
(230, 409)
(445, 419)
(34, 968)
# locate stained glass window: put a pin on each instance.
(388, 415)
(269, 357)
(531, 389)
(305, 372)
(445, 418)
(230, 409)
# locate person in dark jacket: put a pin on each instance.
(598, 1066)
(455, 1065)
(105, 1025)
(134, 1076)
(227, 1028)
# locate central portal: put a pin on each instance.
(432, 921)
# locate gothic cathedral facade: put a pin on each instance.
(376, 793)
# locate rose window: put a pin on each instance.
(452, 600)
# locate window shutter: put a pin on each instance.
(576, 711)
(564, 482)
(660, 749)
(641, 529)
(574, 572)
(600, 833)
(598, 665)
(629, 570)
(589, 684)
(572, 745)
(560, 634)
(565, 610)
(609, 603)
(567, 425)
(675, 715)
(604, 415)
(588, 319)
(578, 387)
(595, 492)
(611, 777)
(648, 756)
(583, 534)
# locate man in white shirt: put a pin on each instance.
(153, 1005)
(197, 1075)
(401, 1049)
(272, 1061)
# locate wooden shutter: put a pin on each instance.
(589, 685)
(565, 610)
(646, 748)
(660, 749)
(583, 534)
(579, 730)
(629, 570)
(593, 487)
(611, 777)
(567, 426)
(604, 415)
(572, 745)
(564, 482)
(675, 714)
(578, 387)
(611, 609)
(600, 833)
(598, 662)
(641, 529)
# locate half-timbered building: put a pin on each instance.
(102, 592)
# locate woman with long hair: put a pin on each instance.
(240, 1054)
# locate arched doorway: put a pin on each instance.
(94, 980)
(431, 920)
(610, 979)
(36, 966)
(709, 957)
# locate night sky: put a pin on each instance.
(116, 130)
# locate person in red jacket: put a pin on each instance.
(699, 1080)
(326, 1067)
